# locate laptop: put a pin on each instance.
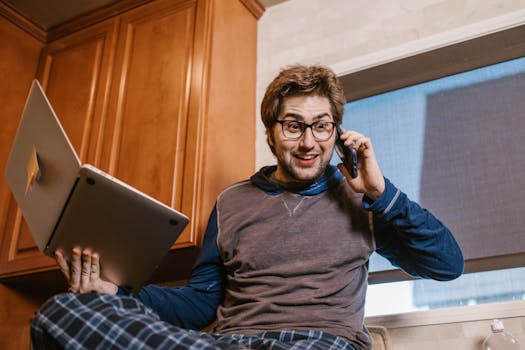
(66, 203)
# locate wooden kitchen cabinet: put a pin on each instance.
(161, 96)
(146, 136)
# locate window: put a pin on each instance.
(447, 129)
(470, 289)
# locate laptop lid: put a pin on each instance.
(42, 166)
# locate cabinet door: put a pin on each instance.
(75, 72)
(150, 100)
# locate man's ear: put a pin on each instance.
(269, 139)
(271, 142)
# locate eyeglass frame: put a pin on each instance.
(305, 126)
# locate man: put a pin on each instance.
(284, 262)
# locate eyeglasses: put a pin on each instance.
(321, 130)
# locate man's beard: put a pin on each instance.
(299, 175)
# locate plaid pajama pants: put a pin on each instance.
(99, 321)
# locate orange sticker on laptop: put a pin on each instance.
(33, 170)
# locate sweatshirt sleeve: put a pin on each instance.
(194, 305)
(413, 239)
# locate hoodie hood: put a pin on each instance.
(263, 179)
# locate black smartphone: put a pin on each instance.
(347, 154)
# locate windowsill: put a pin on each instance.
(450, 315)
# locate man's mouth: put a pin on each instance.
(306, 160)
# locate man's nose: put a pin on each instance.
(308, 140)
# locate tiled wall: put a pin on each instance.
(353, 34)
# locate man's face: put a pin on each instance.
(304, 159)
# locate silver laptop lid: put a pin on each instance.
(42, 166)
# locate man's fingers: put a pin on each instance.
(63, 264)
(83, 272)
(95, 268)
(86, 271)
(75, 269)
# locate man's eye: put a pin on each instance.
(322, 125)
(293, 126)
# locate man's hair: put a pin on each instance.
(299, 80)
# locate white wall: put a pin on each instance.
(349, 35)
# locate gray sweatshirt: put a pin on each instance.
(294, 261)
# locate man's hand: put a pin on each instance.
(369, 178)
(83, 272)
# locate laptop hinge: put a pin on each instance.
(60, 216)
